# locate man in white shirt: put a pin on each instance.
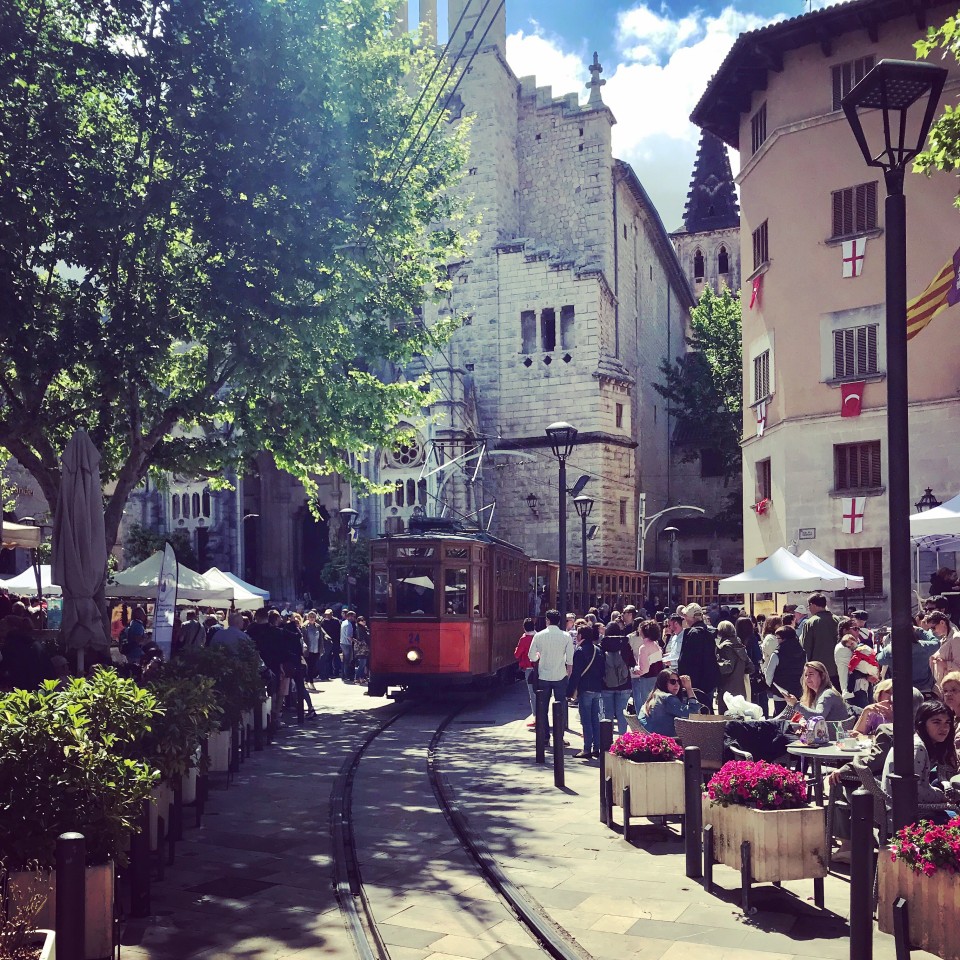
(675, 644)
(552, 651)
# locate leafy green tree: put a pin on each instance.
(142, 543)
(705, 385)
(217, 219)
(943, 151)
(335, 570)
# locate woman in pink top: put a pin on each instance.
(648, 654)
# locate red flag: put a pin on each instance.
(942, 292)
(851, 398)
(757, 287)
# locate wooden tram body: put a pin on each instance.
(447, 609)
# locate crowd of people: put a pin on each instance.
(798, 667)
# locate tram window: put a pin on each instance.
(413, 590)
(413, 551)
(381, 592)
(456, 592)
(457, 553)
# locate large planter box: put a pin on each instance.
(99, 907)
(784, 844)
(46, 942)
(266, 708)
(218, 751)
(188, 786)
(933, 906)
(162, 801)
(656, 788)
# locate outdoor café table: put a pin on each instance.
(831, 755)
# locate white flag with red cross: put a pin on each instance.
(854, 253)
(761, 417)
(853, 508)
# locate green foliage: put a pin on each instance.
(142, 543)
(335, 569)
(217, 215)
(235, 676)
(66, 764)
(943, 143)
(705, 385)
(190, 711)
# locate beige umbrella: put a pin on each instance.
(79, 547)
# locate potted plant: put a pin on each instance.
(922, 865)
(20, 938)
(766, 805)
(651, 765)
(81, 777)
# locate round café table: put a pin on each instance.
(830, 755)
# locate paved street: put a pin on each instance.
(254, 881)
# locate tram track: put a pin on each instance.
(356, 905)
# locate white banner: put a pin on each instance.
(166, 605)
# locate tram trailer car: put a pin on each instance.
(447, 608)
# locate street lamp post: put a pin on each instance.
(562, 437)
(583, 506)
(349, 516)
(671, 532)
(646, 523)
(888, 92)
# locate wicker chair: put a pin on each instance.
(707, 736)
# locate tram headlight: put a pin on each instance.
(414, 655)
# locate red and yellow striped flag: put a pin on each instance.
(939, 294)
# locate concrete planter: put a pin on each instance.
(933, 906)
(162, 801)
(188, 786)
(265, 710)
(218, 751)
(656, 787)
(99, 907)
(46, 942)
(784, 844)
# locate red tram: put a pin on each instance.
(447, 607)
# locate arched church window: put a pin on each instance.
(422, 493)
(195, 505)
(185, 505)
(723, 261)
(401, 499)
(388, 499)
(206, 502)
(411, 492)
(698, 266)
(406, 454)
(175, 503)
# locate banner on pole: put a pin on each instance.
(166, 604)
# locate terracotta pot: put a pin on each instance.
(784, 844)
(933, 905)
(656, 787)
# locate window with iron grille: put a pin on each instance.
(761, 376)
(847, 75)
(758, 128)
(761, 251)
(866, 563)
(855, 351)
(854, 209)
(856, 466)
(623, 513)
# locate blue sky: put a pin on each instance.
(657, 60)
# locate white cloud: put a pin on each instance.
(656, 75)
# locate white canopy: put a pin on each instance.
(245, 595)
(782, 572)
(140, 583)
(843, 581)
(26, 582)
(20, 535)
(939, 521)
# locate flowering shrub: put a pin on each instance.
(927, 848)
(646, 747)
(756, 783)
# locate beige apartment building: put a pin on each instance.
(812, 235)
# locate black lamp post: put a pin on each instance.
(562, 437)
(583, 505)
(671, 532)
(927, 502)
(349, 516)
(888, 92)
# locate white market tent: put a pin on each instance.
(26, 582)
(245, 595)
(140, 583)
(940, 521)
(782, 572)
(20, 535)
(845, 581)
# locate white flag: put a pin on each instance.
(761, 417)
(853, 508)
(854, 252)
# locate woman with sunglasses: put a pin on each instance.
(671, 697)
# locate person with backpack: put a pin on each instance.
(618, 661)
(698, 656)
(585, 687)
(192, 633)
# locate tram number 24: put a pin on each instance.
(413, 639)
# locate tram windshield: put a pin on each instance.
(413, 590)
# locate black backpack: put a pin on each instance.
(615, 671)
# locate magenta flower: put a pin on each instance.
(756, 783)
(646, 748)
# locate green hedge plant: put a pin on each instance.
(235, 675)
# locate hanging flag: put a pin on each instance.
(853, 514)
(761, 417)
(166, 605)
(854, 252)
(851, 398)
(761, 506)
(942, 292)
(757, 288)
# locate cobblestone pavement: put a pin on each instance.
(254, 882)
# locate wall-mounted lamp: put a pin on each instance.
(533, 502)
(927, 502)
